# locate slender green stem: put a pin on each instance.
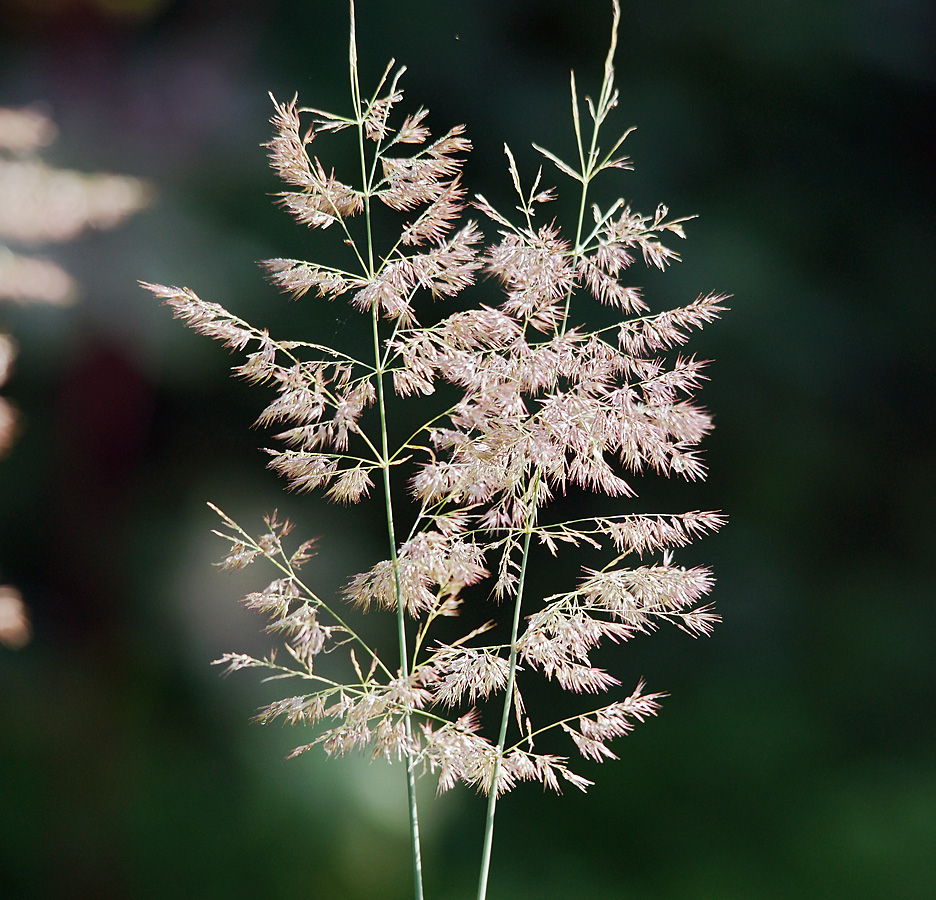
(401, 619)
(401, 606)
(505, 719)
(579, 250)
(380, 370)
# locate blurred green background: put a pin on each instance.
(796, 756)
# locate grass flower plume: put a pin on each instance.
(532, 403)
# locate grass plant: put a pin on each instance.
(531, 403)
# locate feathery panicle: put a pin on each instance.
(614, 720)
(526, 400)
(298, 278)
(537, 273)
(209, 319)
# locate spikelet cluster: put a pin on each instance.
(543, 405)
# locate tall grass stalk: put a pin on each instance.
(535, 402)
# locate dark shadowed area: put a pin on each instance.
(796, 753)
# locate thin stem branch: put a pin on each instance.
(385, 464)
(505, 717)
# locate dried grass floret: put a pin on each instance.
(615, 720)
(288, 155)
(298, 277)
(461, 673)
(537, 272)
